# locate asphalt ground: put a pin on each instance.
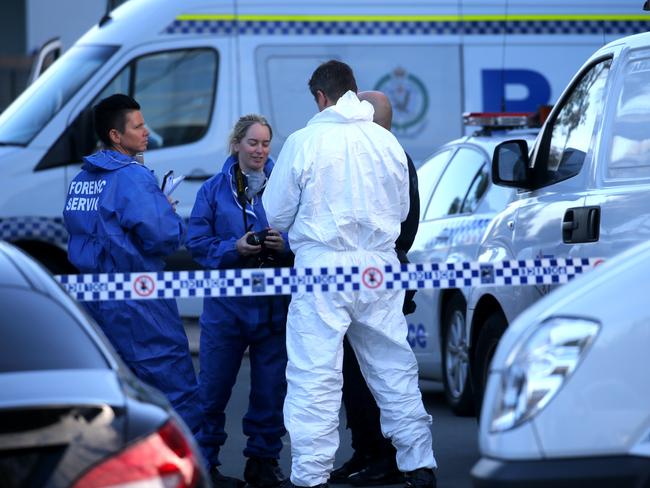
(455, 440)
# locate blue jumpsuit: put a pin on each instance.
(230, 325)
(120, 221)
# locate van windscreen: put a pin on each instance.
(41, 101)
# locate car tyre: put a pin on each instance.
(486, 344)
(455, 358)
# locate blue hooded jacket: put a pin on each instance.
(120, 221)
(216, 223)
(118, 218)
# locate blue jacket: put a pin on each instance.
(216, 223)
(120, 221)
(118, 218)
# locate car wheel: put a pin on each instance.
(486, 344)
(455, 358)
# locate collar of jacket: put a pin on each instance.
(229, 170)
(107, 160)
(348, 109)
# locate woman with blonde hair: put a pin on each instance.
(228, 229)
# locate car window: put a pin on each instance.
(38, 334)
(572, 130)
(630, 144)
(175, 90)
(476, 190)
(461, 174)
(428, 175)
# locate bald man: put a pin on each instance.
(373, 461)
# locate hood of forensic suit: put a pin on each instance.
(107, 160)
(347, 109)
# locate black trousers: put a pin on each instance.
(362, 411)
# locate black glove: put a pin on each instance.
(409, 305)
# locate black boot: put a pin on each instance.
(420, 478)
(221, 481)
(352, 466)
(263, 473)
(379, 471)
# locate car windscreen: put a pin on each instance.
(41, 101)
(39, 334)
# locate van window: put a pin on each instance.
(572, 130)
(37, 105)
(451, 193)
(176, 91)
(630, 143)
(428, 175)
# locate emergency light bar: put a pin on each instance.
(498, 119)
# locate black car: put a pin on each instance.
(71, 413)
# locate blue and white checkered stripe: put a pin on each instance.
(48, 229)
(285, 281)
(406, 28)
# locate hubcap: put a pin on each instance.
(456, 357)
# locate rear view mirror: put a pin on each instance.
(510, 164)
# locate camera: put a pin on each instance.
(257, 238)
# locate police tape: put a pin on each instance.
(285, 281)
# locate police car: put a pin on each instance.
(457, 202)
(566, 403)
(582, 191)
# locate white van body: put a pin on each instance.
(567, 398)
(195, 66)
(584, 192)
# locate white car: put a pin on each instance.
(582, 191)
(457, 202)
(567, 402)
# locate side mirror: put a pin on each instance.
(510, 164)
(646, 5)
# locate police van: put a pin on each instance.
(195, 66)
(582, 192)
(457, 202)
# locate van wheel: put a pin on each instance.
(486, 345)
(455, 358)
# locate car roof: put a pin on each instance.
(19, 270)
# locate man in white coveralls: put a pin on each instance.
(340, 188)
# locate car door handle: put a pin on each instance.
(581, 224)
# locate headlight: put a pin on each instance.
(537, 368)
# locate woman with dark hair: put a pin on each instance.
(228, 229)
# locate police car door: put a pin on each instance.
(549, 220)
(623, 178)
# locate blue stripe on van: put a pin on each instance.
(415, 27)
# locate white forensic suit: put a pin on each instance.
(340, 188)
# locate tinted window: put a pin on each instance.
(454, 185)
(573, 128)
(476, 190)
(630, 151)
(176, 91)
(38, 334)
(50, 92)
(428, 176)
